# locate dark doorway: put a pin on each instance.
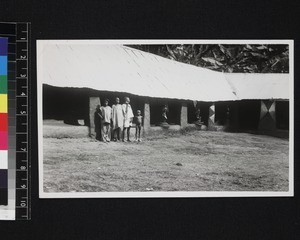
(221, 113)
(65, 103)
(282, 115)
(174, 112)
(71, 104)
(156, 106)
(204, 109)
(249, 114)
(192, 111)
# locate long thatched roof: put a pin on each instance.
(107, 67)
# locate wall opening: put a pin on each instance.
(282, 115)
(249, 114)
(204, 111)
(71, 104)
(65, 104)
(221, 111)
(192, 111)
(156, 106)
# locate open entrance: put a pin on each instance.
(222, 113)
(72, 104)
(192, 111)
(249, 114)
(156, 110)
(282, 115)
(68, 104)
(204, 109)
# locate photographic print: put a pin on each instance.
(165, 118)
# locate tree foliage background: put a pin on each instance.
(244, 58)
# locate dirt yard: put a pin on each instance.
(168, 161)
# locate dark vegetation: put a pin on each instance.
(245, 58)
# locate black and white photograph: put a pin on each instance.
(165, 118)
(148, 120)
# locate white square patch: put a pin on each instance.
(3, 159)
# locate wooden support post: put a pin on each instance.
(184, 115)
(267, 121)
(211, 117)
(94, 101)
(146, 116)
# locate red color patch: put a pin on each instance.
(3, 122)
(3, 140)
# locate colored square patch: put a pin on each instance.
(3, 178)
(3, 122)
(3, 65)
(3, 159)
(3, 196)
(3, 140)
(3, 46)
(3, 103)
(3, 84)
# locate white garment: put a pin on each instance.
(128, 115)
(106, 114)
(117, 116)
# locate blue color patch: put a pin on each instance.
(3, 46)
(3, 65)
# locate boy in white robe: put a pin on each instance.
(128, 117)
(117, 120)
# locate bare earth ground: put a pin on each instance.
(167, 161)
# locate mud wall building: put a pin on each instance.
(77, 77)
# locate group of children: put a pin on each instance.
(119, 119)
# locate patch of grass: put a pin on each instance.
(209, 161)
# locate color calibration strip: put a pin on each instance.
(16, 204)
(3, 123)
(7, 211)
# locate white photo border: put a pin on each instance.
(171, 194)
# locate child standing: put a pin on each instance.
(106, 114)
(139, 121)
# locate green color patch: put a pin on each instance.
(3, 84)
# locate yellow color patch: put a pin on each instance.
(3, 103)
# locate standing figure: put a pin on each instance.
(117, 120)
(227, 122)
(97, 121)
(139, 121)
(165, 110)
(106, 114)
(128, 117)
(198, 117)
